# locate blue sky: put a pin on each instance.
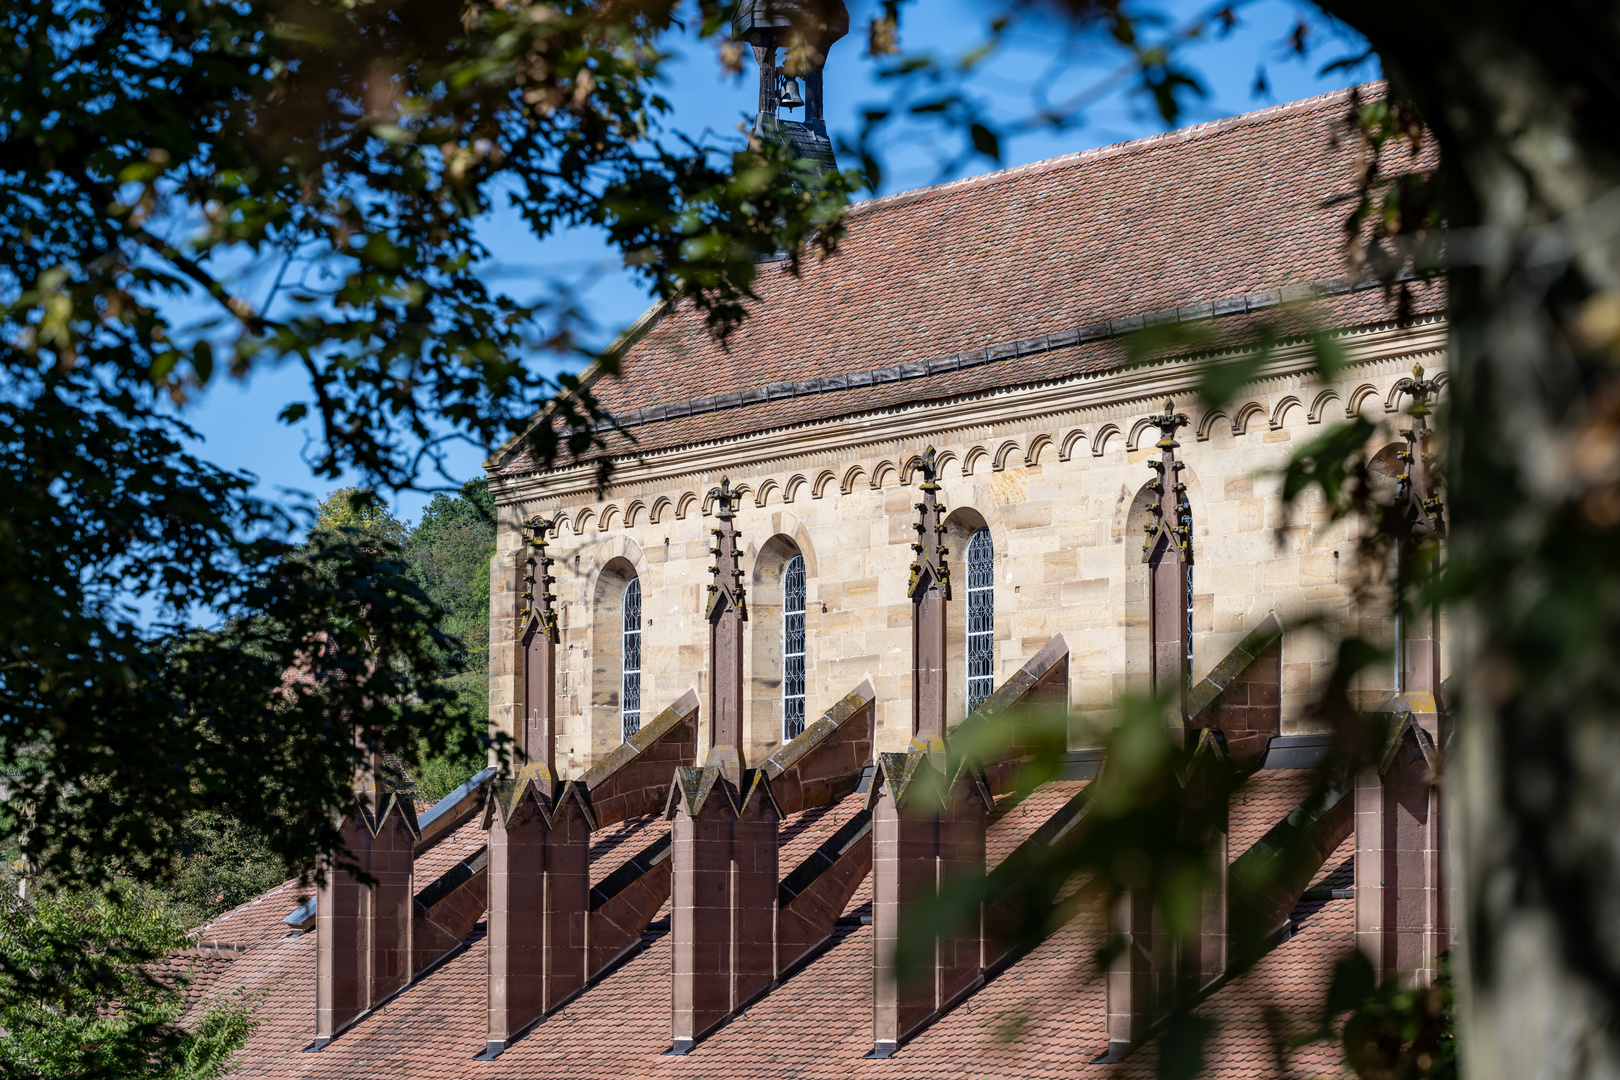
(236, 421)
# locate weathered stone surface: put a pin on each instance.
(364, 932)
(633, 780)
(624, 903)
(1242, 696)
(1004, 720)
(1402, 922)
(723, 901)
(926, 833)
(1266, 881)
(825, 761)
(538, 887)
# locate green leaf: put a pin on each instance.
(202, 362)
(985, 141)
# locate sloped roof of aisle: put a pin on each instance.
(1027, 275)
(1042, 1017)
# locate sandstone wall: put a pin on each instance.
(1056, 473)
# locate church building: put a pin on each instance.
(930, 482)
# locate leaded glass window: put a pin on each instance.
(793, 648)
(1184, 513)
(630, 691)
(981, 614)
(1189, 627)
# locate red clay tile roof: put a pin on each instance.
(1262, 802)
(1042, 1017)
(1015, 819)
(1016, 262)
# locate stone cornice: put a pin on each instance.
(1081, 393)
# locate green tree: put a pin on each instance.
(219, 862)
(84, 995)
(449, 552)
(357, 511)
(159, 154)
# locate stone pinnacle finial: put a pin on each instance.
(538, 569)
(727, 568)
(1420, 390)
(1176, 523)
(930, 525)
(1415, 493)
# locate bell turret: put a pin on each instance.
(790, 40)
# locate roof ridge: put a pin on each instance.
(1176, 135)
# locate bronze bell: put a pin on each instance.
(790, 97)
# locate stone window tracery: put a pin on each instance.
(793, 593)
(630, 688)
(981, 619)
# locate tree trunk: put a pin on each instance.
(1525, 102)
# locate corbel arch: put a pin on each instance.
(684, 504)
(766, 489)
(881, 471)
(1206, 423)
(738, 491)
(1352, 406)
(1133, 441)
(610, 514)
(795, 483)
(1070, 443)
(1319, 405)
(941, 459)
(633, 512)
(1392, 401)
(852, 476)
(1246, 416)
(1003, 454)
(971, 459)
(660, 507)
(1037, 445)
(1099, 445)
(582, 520)
(819, 487)
(1279, 415)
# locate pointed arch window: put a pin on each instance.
(793, 648)
(630, 689)
(981, 619)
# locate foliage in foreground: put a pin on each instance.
(447, 553)
(201, 189)
(1390, 1031)
(84, 995)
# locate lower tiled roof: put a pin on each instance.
(1041, 1017)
